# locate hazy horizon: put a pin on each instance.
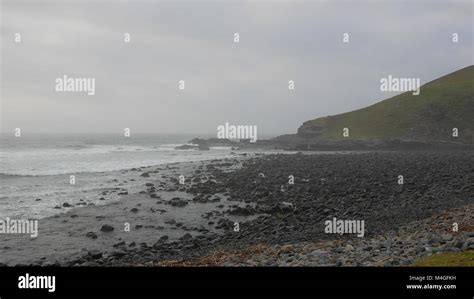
(245, 83)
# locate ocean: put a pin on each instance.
(35, 170)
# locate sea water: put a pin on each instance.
(35, 169)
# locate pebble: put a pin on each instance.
(106, 228)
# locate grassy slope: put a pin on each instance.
(444, 103)
(465, 258)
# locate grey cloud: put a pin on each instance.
(137, 83)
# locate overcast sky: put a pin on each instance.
(240, 83)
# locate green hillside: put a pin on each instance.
(443, 104)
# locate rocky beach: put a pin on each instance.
(266, 210)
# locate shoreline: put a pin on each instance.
(76, 231)
(417, 239)
(172, 223)
(43, 196)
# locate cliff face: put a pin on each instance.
(308, 130)
(443, 105)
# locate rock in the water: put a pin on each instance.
(106, 228)
(119, 244)
(91, 235)
(186, 147)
